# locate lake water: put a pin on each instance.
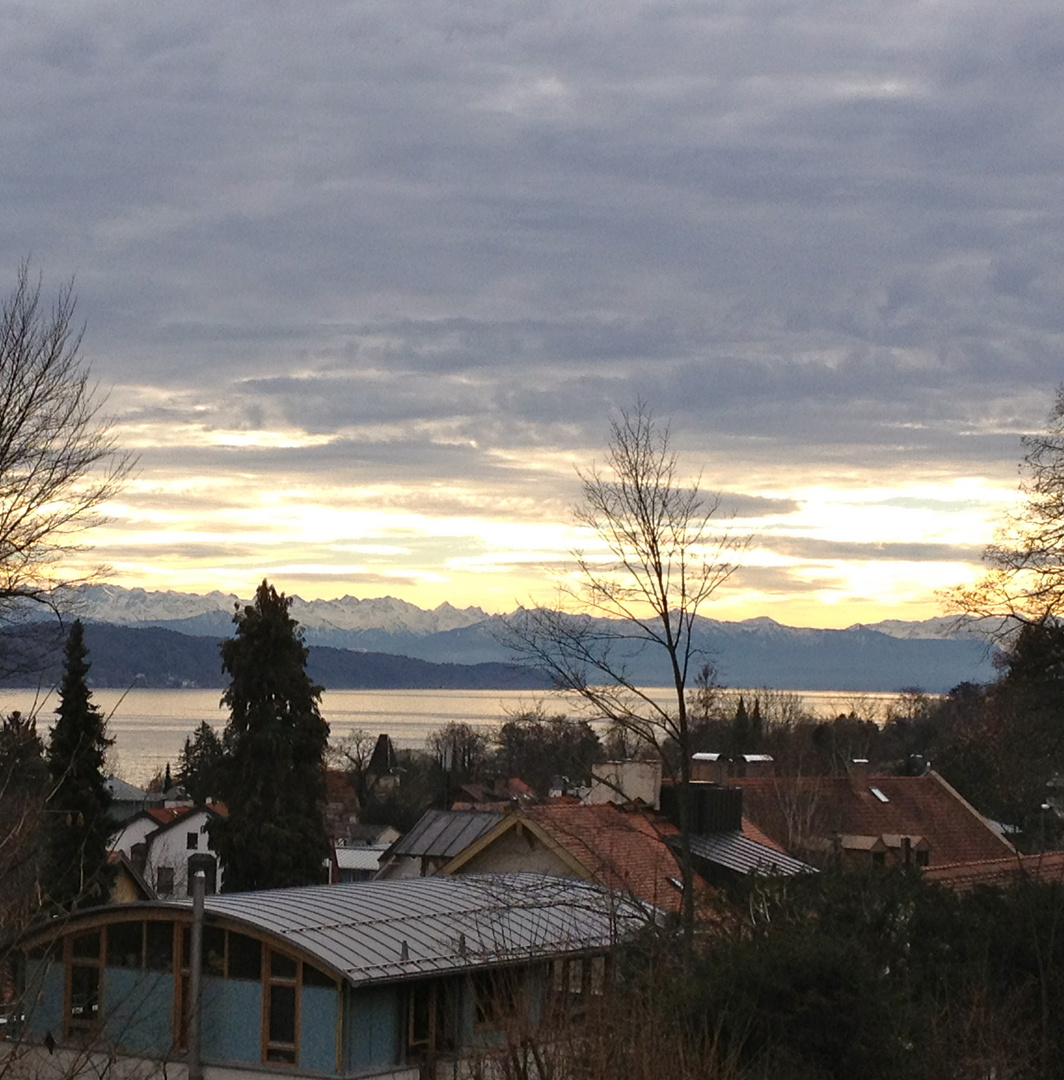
(150, 726)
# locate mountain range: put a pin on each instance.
(156, 638)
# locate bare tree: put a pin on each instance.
(1024, 578)
(59, 461)
(663, 559)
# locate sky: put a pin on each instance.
(365, 281)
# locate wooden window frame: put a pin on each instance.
(269, 981)
(74, 1027)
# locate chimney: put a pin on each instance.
(626, 781)
(709, 767)
(754, 765)
(858, 770)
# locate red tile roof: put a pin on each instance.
(795, 810)
(752, 832)
(1047, 866)
(623, 850)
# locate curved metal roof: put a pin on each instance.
(375, 930)
(372, 931)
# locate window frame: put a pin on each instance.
(73, 1027)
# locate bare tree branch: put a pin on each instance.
(59, 461)
(1024, 578)
(664, 559)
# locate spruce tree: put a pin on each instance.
(76, 872)
(200, 763)
(273, 773)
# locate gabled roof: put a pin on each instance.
(444, 833)
(183, 813)
(796, 809)
(623, 850)
(376, 931)
(120, 791)
(127, 867)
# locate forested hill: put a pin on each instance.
(123, 656)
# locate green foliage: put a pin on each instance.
(273, 777)
(23, 770)
(841, 975)
(199, 768)
(798, 1004)
(538, 748)
(77, 825)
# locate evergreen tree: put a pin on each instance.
(199, 767)
(23, 786)
(273, 774)
(76, 872)
(23, 771)
(740, 732)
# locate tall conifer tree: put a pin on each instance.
(273, 774)
(76, 872)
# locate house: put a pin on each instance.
(623, 850)
(129, 884)
(725, 844)
(370, 979)
(871, 820)
(127, 800)
(438, 837)
(168, 844)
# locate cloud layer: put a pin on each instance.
(379, 272)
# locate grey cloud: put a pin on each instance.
(823, 233)
(813, 549)
(778, 581)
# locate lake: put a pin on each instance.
(150, 726)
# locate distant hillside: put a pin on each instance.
(150, 657)
(385, 642)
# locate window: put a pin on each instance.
(159, 946)
(494, 997)
(192, 841)
(125, 945)
(432, 1016)
(84, 971)
(164, 880)
(597, 965)
(281, 1009)
(923, 857)
(245, 957)
(879, 858)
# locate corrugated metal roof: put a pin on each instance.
(736, 852)
(383, 930)
(362, 857)
(444, 833)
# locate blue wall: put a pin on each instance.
(317, 1029)
(139, 1007)
(44, 998)
(372, 1028)
(231, 1023)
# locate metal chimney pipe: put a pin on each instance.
(195, 981)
